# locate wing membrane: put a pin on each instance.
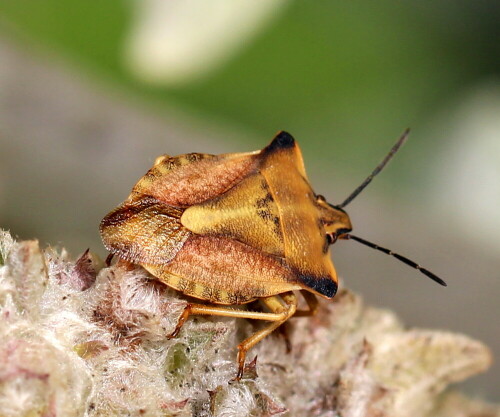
(144, 231)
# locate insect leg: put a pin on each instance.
(312, 303)
(285, 307)
(210, 310)
(182, 319)
(109, 258)
(283, 330)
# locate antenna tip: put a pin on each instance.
(404, 136)
(435, 278)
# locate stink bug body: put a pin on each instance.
(233, 228)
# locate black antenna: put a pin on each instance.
(379, 168)
(397, 256)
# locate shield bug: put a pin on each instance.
(233, 228)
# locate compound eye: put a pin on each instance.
(342, 232)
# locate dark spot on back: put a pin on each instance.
(283, 140)
(265, 214)
(264, 202)
(324, 285)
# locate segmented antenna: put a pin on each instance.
(379, 168)
(403, 259)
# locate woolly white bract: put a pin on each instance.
(80, 339)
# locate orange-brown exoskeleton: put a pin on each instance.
(233, 228)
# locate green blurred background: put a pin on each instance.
(79, 124)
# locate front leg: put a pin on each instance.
(312, 304)
(283, 305)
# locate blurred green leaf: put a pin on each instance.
(342, 77)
